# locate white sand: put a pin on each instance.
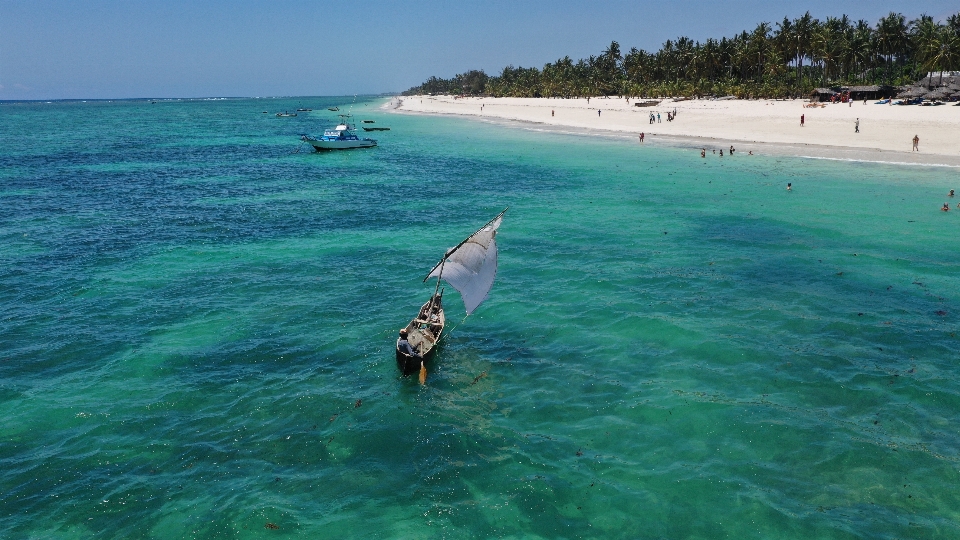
(763, 126)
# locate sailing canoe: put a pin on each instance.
(470, 268)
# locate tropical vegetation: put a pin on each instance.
(790, 58)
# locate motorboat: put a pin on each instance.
(338, 138)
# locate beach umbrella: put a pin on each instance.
(912, 92)
(939, 93)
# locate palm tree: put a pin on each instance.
(936, 46)
(760, 47)
(892, 38)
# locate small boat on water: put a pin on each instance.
(365, 128)
(470, 268)
(285, 114)
(304, 110)
(369, 121)
(338, 138)
(334, 109)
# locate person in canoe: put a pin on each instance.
(404, 346)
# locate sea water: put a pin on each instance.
(198, 316)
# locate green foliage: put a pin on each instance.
(789, 59)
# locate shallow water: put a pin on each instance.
(197, 327)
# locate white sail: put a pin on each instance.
(471, 267)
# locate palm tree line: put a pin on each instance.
(788, 59)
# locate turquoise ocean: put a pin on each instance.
(198, 315)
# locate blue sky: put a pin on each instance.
(53, 49)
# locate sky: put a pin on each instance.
(112, 49)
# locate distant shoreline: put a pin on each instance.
(765, 127)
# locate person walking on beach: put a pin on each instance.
(658, 118)
(598, 113)
(801, 120)
(856, 126)
(551, 113)
(916, 143)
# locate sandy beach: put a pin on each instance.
(761, 126)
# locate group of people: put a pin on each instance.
(655, 117)
(703, 151)
(946, 206)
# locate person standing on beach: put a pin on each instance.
(598, 113)
(801, 120)
(658, 118)
(856, 126)
(916, 143)
(641, 136)
(551, 113)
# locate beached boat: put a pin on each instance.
(470, 268)
(365, 128)
(338, 138)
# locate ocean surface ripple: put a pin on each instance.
(199, 315)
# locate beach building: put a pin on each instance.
(857, 93)
(936, 86)
(822, 94)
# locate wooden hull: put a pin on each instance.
(423, 332)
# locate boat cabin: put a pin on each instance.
(339, 133)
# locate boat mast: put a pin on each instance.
(434, 297)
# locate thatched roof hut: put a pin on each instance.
(869, 92)
(822, 94)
